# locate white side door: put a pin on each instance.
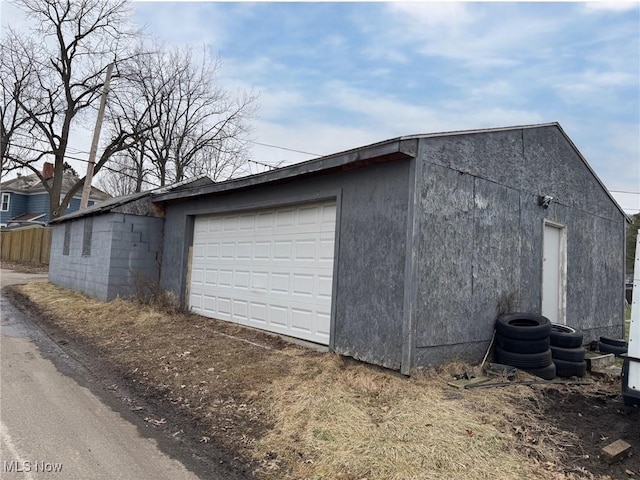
(554, 273)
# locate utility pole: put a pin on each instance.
(86, 189)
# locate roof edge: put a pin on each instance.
(593, 173)
(396, 146)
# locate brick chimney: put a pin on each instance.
(47, 170)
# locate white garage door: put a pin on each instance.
(270, 269)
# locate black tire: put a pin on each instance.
(615, 342)
(564, 336)
(568, 354)
(570, 369)
(523, 326)
(524, 360)
(546, 373)
(606, 348)
(522, 346)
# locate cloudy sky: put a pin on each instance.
(334, 76)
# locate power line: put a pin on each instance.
(285, 148)
(87, 161)
(250, 141)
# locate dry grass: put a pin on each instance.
(305, 415)
(337, 418)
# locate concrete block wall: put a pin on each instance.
(86, 274)
(123, 248)
(136, 251)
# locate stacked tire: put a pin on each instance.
(617, 346)
(523, 341)
(567, 351)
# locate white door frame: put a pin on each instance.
(562, 274)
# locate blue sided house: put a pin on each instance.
(25, 201)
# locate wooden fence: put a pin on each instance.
(30, 245)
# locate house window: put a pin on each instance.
(67, 239)
(86, 238)
(4, 206)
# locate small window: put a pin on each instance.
(4, 207)
(67, 239)
(86, 238)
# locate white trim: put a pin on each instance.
(20, 192)
(6, 195)
(562, 280)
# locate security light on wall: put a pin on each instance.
(545, 200)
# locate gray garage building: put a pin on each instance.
(401, 253)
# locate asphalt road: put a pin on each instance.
(53, 427)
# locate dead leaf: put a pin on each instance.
(629, 472)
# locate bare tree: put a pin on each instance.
(17, 83)
(201, 127)
(121, 178)
(79, 39)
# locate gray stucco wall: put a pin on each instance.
(123, 248)
(370, 249)
(481, 238)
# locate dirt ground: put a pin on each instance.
(24, 267)
(272, 410)
(598, 417)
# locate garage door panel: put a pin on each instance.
(213, 224)
(271, 269)
(282, 250)
(285, 218)
(303, 285)
(242, 279)
(210, 277)
(325, 286)
(244, 250)
(264, 220)
(225, 278)
(280, 283)
(246, 222)
(230, 224)
(197, 275)
(277, 315)
(224, 306)
(302, 320)
(258, 313)
(195, 301)
(308, 215)
(208, 303)
(240, 310)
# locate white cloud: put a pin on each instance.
(617, 6)
(434, 15)
(480, 38)
(182, 23)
